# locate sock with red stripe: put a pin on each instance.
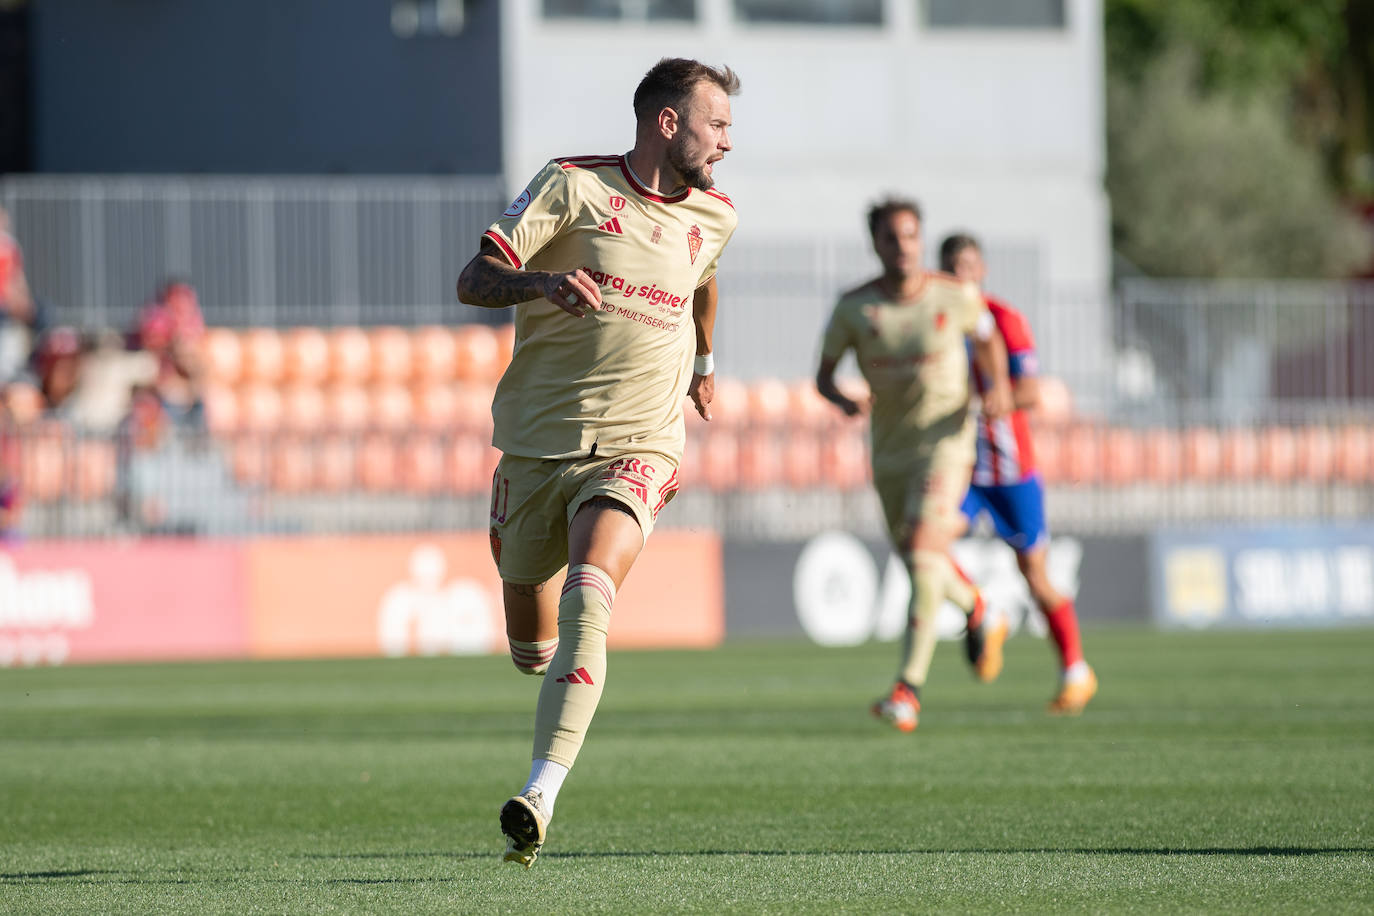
(577, 673)
(532, 657)
(1063, 626)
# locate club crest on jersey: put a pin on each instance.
(694, 242)
(519, 204)
(657, 234)
(939, 321)
(617, 203)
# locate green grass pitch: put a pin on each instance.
(1215, 773)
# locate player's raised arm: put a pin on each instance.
(491, 281)
(702, 389)
(990, 355)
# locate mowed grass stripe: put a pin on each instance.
(1216, 772)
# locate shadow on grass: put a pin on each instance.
(813, 853)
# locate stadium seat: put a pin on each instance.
(1056, 401)
(769, 404)
(1049, 453)
(720, 458)
(808, 408)
(250, 460)
(1082, 454)
(347, 408)
(505, 346)
(264, 355)
(221, 409)
(1240, 453)
(1316, 453)
(1123, 456)
(760, 459)
(390, 407)
(292, 466)
(260, 407)
(43, 463)
(729, 406)
(350, 355)
(335, 464)
(435, 354)
(1278, 457)
(468, 464)
(377, 464)
(1355, 454)
(478, 356)
(1201, 453)
(435, 406)
(1162, 456)
(801, 458)
(421, 464)
(472, 409)
(391, 355)
(844, 459)
(306, 355)
(223, 356)
(303, 408)
(95, 470)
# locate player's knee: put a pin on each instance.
(532, 657)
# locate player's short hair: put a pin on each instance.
(952, 246)
(885, 208)
(669, 84)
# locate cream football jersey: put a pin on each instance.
(914, 358)
(613, 380)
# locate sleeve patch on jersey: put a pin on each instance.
(519, 204)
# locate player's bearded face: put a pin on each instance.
(703, 138)
(690, 163)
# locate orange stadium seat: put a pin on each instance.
(377, 463)
(260, 407)
(730, 405)
(347, 408)
(1240, 453)
(468, 465)
(223, 355)
(760, 459)
(844, 459)
(719, 459)
(335, 464)
(1123, 456)
(350, 355)
(1201, 453)
(808, 408)
(292, 466)
(1083, 454)
(421, 464)
(264, 355)
(391, 407)
(770, 404)
(43, 464)
(1162, 456)
(1049, 453)
(478, 356)
(306, 356)
(303, 408)
(435, 405)
(472, 408)
(435, 354)
(1316, 453)
(801, 459)
(1278, 458)
(1056, 401)
(505, 346)
(250, 460)
(221, 409)
(1355, 454)
(391, 355)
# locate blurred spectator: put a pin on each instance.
(108, 375)
(57, 363)
(171, 328)
(10, 502)
(19, 312)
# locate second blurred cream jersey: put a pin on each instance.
(613, 380)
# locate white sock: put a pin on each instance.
(547, 777)
(1076, 672)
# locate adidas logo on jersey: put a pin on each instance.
(612, 225)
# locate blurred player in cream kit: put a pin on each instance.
(908, 329)
(610, 261)
(1006, 485)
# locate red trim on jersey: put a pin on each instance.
(586, 162)
(719, 196)
(647, 193)
(504, 246)
(1015, 331)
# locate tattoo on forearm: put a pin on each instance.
(490, 283)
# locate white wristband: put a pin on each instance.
(705, 364)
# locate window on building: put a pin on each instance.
(825, 12)
(631, 10)
(412, 18)
(994, 14)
